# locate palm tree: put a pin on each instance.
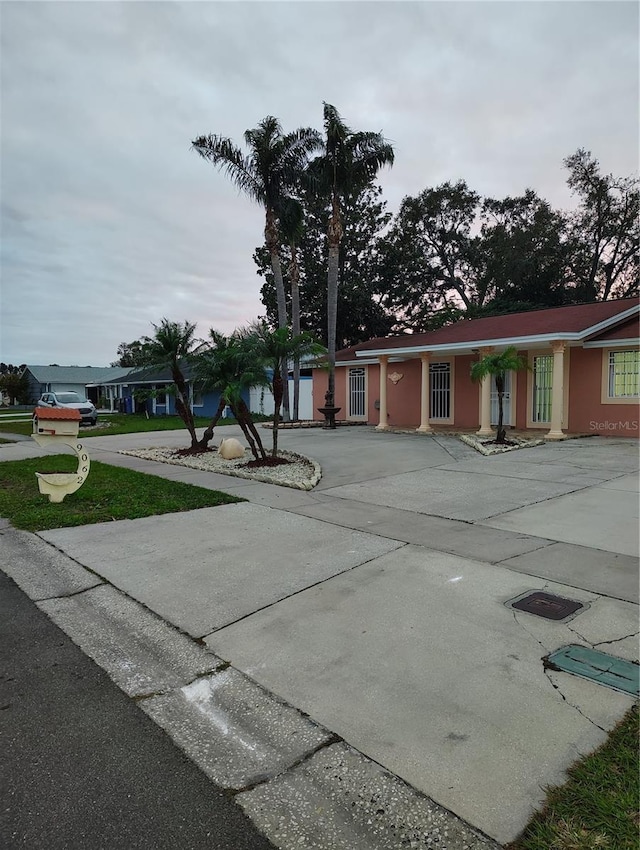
(274, 350)
(172, 347)
(495, 366)
(291, 220)
(350, 161)
(229, 365)
(272, 166)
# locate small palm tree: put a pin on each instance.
(349, 162)
(495, 366)
(272, 167)
(274, 350)
(229, 365)
(172, 347)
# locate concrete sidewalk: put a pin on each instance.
(375, 603)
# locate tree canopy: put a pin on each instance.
(450, 253)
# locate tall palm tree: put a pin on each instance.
(291, 220)
(229, 365)
(271, 167)
(172, 347)
(495, 366)
(350, 161)
(274, 350)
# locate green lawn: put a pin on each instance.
(109, 493)
(597, 809)
(133, 423)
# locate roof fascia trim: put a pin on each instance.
(613, 343)
(477, 343)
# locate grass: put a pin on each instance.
(109, 493)
(132, 423)
(597, 809)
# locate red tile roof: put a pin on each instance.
(556, 320)
(68, 414)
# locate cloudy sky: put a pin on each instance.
(110, 221)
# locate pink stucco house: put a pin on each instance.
(583, 377)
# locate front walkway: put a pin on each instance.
(375, 603)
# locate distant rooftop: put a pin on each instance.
(77, 374)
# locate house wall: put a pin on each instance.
(522, 378)
(208, 408)
(373, 394)
(261, 399)
(403, 398)
(466, 394)
(587, 413)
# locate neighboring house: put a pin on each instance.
(91, 382)
(583, 375)
(146, 390)
(132, 388)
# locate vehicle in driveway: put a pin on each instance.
(88, 413)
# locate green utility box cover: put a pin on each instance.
(600, 667)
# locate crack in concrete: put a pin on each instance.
(557, 688)
(522, 626)
(615, 640)
(582, 637)
(224, 665)
(302, 590)
(264, 778)
(72, 594)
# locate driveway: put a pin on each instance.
(376, 603)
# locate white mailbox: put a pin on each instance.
(59, 426)
(56, 421)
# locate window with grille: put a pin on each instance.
(357, 393)
(440, 390)
(542, 388)
(624, 367)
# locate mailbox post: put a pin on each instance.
(59, 426)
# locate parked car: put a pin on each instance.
(87, 411)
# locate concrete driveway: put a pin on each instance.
(376, 603)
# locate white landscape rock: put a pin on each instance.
(490, 447)
(301, 473)
(230, 449)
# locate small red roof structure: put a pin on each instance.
(68, 414)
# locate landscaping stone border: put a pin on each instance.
(302, 474)
(485, 448)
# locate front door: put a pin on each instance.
(506, 400)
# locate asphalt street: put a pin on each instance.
(82, 766)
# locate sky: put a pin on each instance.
(110, 222)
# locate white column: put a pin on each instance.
(485, 401)
(557, 392)
(424, 428)
(382, 425)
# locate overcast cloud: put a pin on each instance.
(110, 221)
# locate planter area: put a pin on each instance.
(301, 473)
(488, 445)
